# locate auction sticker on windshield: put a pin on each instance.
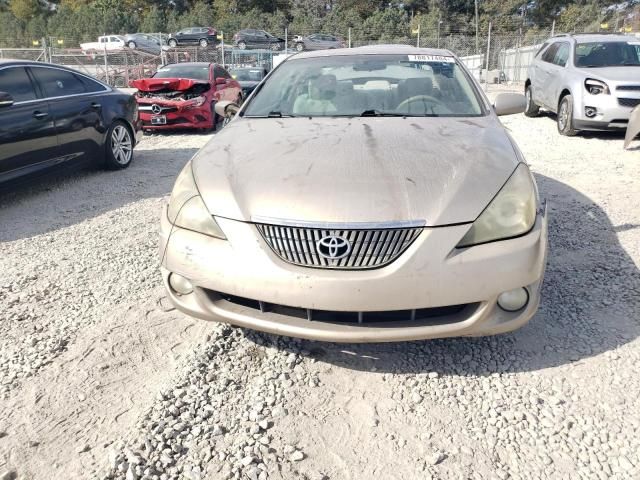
(431, 58)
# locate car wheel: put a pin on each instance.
(299, 47)
(242, 45)
(565, 117)
(119, 146)
(275, 47)
(203, 42)
(531, 109)
(132, 45)
(173, 43)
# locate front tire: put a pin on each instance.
(204, 42)
(531, 110)
(299, 47)
(132, 45)
(119, 146)
(172, 43)
(565, 117)
(242, 45)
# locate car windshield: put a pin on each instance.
(247, 75)
(194, 72)
(607, 54)
(367, 85)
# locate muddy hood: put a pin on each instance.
(436, 170)
(158, 84)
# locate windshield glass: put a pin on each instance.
(194, 72)
(247, 75)
(352, 85)
(607, 54)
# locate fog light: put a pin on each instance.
(590, 111)
(513, 300)
(180, 285)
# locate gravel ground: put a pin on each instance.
(100, 378)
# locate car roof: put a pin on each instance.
(594, 37)
(189, 64)
(17, 61)
(376, 50)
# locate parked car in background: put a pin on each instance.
(105, 42)
(52, 116)
(317, 41)
(370, 223)
(592, 81)
(143, 42)
(248, 78)
(203, 36)
(251, 38)
(183, 95)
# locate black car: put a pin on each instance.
(250, 38)
(52, 116)
(203, 36)
(248, 78)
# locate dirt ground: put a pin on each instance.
(93, 360)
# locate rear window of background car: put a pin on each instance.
(57, 83)
(15, 82)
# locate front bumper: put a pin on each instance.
(177, 116)
(429, 274)
(613, 110)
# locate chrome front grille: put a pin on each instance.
(368, 248)
(629, 102)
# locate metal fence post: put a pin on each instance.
(222, 49)
(486, 71)
(349, 37)
(286, 40)
(553, 28)
(106, 62)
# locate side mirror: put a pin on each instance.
(221, 81)
(509, 103)
(6, 100)
(226, 109)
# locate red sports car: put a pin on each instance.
(182, 95)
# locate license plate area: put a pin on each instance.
(159, 120)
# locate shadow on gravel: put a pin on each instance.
(590, 305)
(72, 196)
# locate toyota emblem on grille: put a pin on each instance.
(156, 108)
(333, 247)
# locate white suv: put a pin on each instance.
(592, 81)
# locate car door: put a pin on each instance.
(262, 39)
(225, 90)
(543, 73)
(313, 42)
(76, 109)
(182, 37)
(557, 74)
(28, 141)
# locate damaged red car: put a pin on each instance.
(183, 95)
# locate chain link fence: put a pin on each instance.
(492, 58)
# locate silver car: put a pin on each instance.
(360, 195)
(144, 42)
(592, 81)
(317, 41)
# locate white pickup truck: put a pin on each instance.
(106, 42)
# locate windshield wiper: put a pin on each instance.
(279, 115)
(378, 113)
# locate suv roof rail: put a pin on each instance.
(562, 35)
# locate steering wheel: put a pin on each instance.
(419, 98)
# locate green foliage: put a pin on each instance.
(24, 9)
(75, 21)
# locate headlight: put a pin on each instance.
(596, 87)
(511, 213)
(186, 208)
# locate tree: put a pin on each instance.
(24, 9)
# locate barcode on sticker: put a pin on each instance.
(431, 58)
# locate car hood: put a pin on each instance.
(617, 74)
(158, 84)
(344, 170)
